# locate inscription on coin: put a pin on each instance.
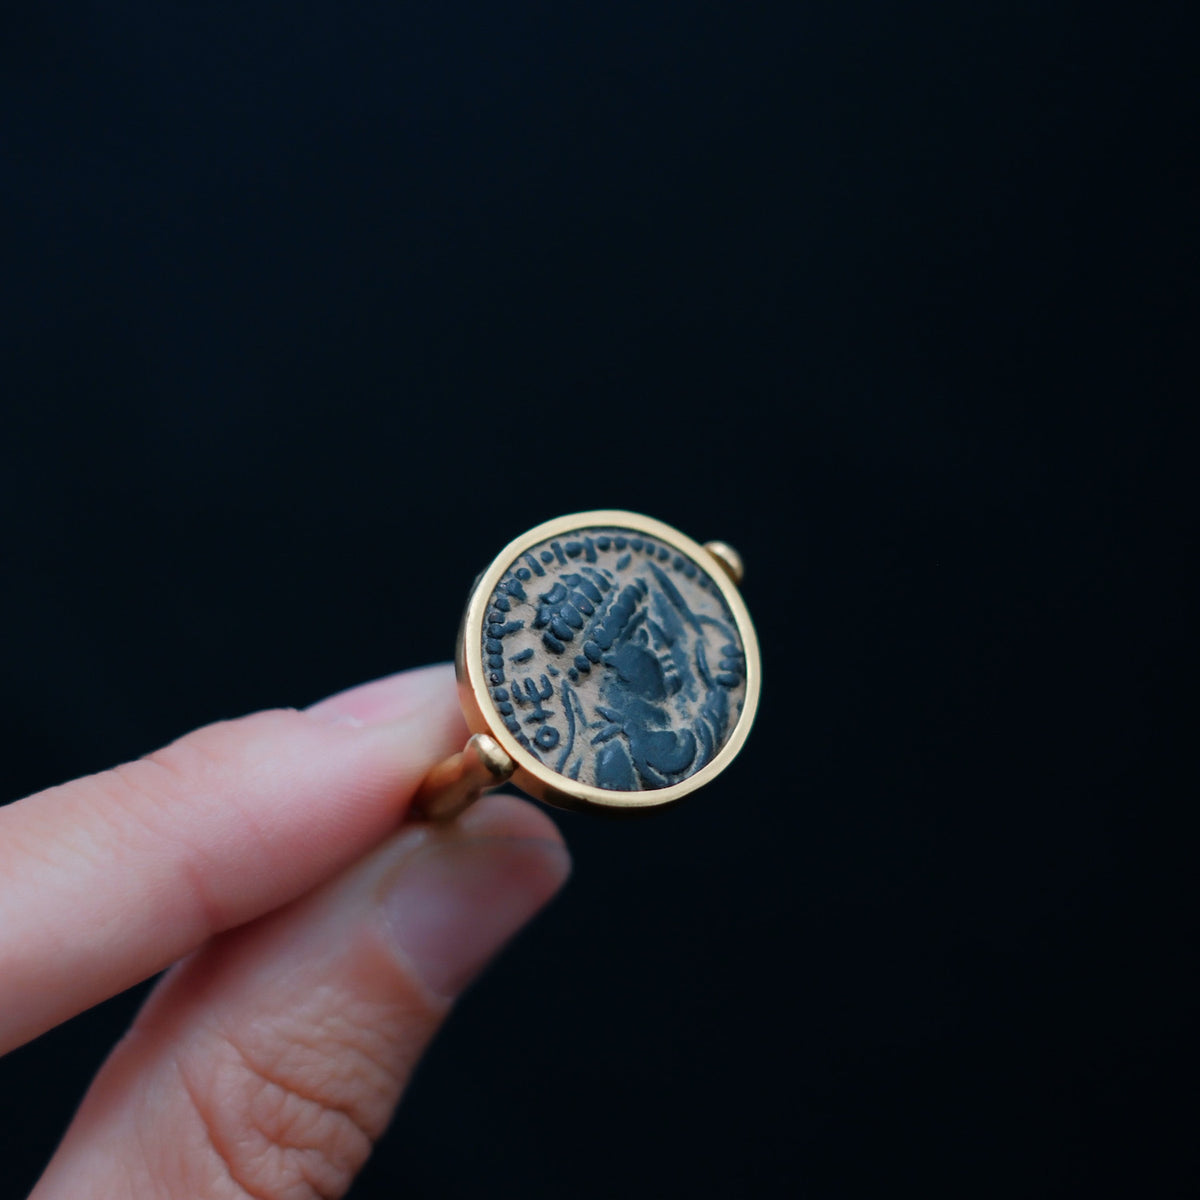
(613, 659)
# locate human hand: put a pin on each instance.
(321, 945)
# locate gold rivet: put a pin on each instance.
(455, 784)
(730, 560)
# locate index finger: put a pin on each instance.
(106, 880)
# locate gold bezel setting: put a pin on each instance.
(535, 777)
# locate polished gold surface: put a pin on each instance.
(536, 777)
(458, 781)
(729, 560)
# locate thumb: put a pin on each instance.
(270, 1062)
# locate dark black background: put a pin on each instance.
(306, 309)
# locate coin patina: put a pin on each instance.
(612, 658)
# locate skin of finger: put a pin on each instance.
(270, 1062)
(109, 879)
(390, 699)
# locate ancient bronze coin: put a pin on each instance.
(612, 658)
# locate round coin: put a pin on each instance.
(612, 658)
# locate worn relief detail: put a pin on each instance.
(613, 659)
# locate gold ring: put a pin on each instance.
(606, 662)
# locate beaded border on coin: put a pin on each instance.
(494, 755)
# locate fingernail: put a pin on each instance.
(453, 904)
(393, 698)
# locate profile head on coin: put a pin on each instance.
(612, 658)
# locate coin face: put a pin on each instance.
(613, 657)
